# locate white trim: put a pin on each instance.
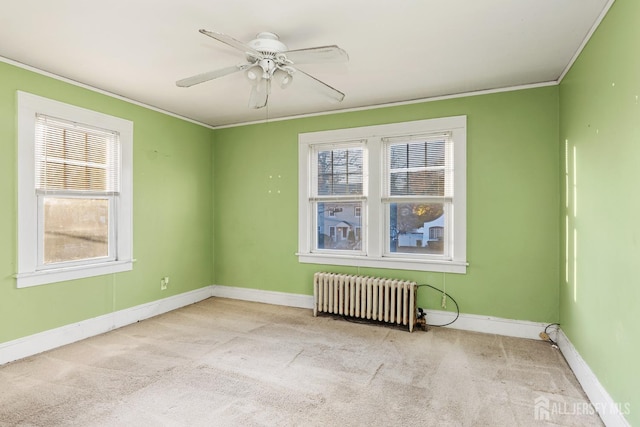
(394, 263)
(145, 311)
(395, 104)
(278, 119)
(593, 29)
(267, 297)
(607, 408)
(53, 338)
(467, 322)
(98, 90)
(44, 277)
(487, 324)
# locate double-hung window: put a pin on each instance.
(418, 195)
(388, 196)
(337, 193)
(74, 196)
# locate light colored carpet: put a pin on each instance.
(231, 363)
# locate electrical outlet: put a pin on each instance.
(164, 282)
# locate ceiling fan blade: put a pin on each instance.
(322, 87)
(228, 40)
(317, 54)
(260, 94)
(210, 75)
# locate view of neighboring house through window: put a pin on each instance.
(338, 195)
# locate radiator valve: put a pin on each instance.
(421, 319)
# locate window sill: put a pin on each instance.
(25, 280)
(459, 267)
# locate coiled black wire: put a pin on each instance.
(448, 296)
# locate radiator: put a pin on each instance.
(363, 297)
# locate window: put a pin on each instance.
(395, 193)
(74, 192)
(436, 233)
(418, 188)
(336, 195)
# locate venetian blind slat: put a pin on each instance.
(420, 165)
(75, 158)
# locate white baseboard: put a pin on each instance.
(487, 324)
(268, 297)
(468, 322)
(155, 308)
(47, 340)
(611, 412)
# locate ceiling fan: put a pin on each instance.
(268, 60)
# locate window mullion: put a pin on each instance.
(416, 199)
(374, 219)
(337, 198)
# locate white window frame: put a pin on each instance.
(374, 234)
(333, 199)
(30, 273)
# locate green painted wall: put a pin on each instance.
(513, 198)
(173, 201)
(600, 120)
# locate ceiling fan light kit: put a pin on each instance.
(267, 59)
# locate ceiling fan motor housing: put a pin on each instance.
(268, 44)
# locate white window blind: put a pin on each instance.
(339, 173)
(75, 158)
(419, 166)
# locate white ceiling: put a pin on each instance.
(399, 50)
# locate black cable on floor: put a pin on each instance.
(547, 333)
(448, 296)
